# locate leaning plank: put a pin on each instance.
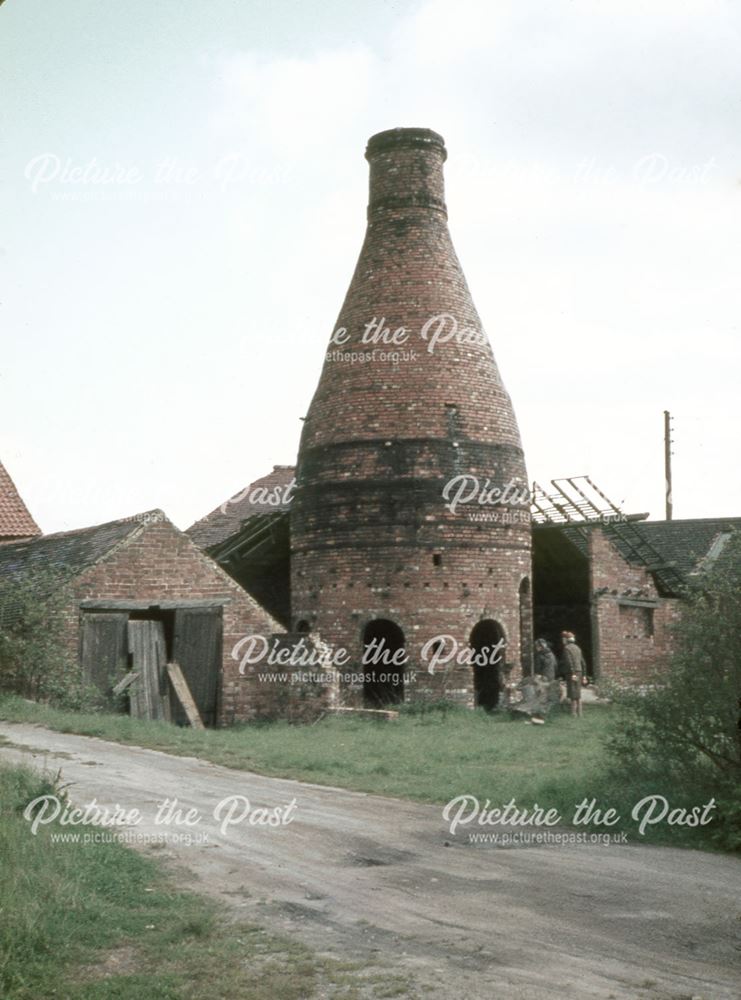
(180, 686)
(125, 682)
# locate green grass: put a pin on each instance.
(104, 923)
(429, 757)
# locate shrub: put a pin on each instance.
(35, 661)
(685, 726)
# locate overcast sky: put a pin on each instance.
(182, 202)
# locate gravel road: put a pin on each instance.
(382, 880)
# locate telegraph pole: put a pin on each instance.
(668, 463)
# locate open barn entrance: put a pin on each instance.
(562, 588)
(384, 674)
(487, 642)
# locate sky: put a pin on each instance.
(182, 203)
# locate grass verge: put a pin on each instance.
(429, 757)
(93, 922)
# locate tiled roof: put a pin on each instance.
(686, 543)
(680, 545)
(67, 553)
(15, 520)
(265, 496)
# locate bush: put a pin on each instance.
(35, 661)
(21, 785)
(684, 727)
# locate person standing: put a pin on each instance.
(574, 670)
(546, 667)
(545, 660)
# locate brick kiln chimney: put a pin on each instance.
(410, 428)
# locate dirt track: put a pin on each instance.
(359, 876)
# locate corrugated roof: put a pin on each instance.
(268, 495)
(15, 519)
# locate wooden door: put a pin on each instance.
(149, 695)
(105, 651)
(197, 649)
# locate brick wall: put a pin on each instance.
(160, 563)
(634, 642)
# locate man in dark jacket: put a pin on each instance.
(574, 670)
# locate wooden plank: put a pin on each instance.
(163, 686)
(155, 672)
(148, 653)
(93, 604)
(636, 602)
(137, 696)
(125, 682)
(181, 689)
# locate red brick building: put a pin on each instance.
(619, 587)
(369, 550)
(142, 572)
(404, 531)
(410, 400)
